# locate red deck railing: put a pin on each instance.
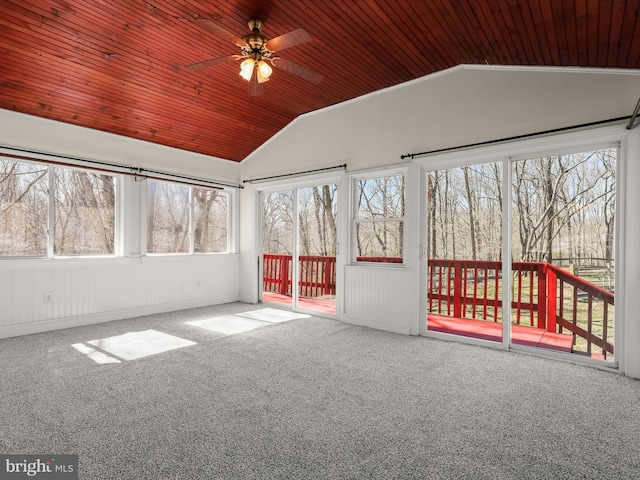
(317, 275)
(543, 295)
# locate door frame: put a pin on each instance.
(293, 185)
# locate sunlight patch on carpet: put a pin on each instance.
(95, 355)
(272, 315)
(228, 324)
(134, 345)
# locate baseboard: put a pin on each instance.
(377, 324)
(244, 298)
(81, 320)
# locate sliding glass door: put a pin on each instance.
(464, 268)
(563, 249)
(278, 240)
(299, 241)
(317, 241)
(556, 289)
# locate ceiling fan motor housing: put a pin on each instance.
(255, 42)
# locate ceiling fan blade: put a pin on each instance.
(291, 39)
(215, 28)
(208, 63)
(255, 88)
(299, 70)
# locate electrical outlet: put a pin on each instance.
(48, 297)
(197, 282)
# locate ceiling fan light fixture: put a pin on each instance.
(264, 71)
(246, 68)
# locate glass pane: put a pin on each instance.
(84, 213)
(317, 224)
(24, 201)
(464, 238)
(563, 251)
(167, 217)
(277, 246)
(210, 215)
(379, 241)
(382, 197)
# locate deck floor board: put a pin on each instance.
(484, 330)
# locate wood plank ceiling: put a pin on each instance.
(118, 66)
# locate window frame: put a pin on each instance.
(355, 219)
(117, 185)
(51, 211)
(230, 224)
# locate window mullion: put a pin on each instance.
(51, 213)
(191, 222)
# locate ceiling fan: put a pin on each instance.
(257, 53)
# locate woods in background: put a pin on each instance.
(563, 209)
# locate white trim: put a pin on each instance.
(233, 220)
(370, 174)
(567, 149)
(302, 181)
(522, 148)
(622, 208)
(551, 69)
(506, 188)
(423, 258)
(51, 213)
(377, 324)
(376, 172)
(293, 184)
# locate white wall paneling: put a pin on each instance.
(380, 297)
(102, 289)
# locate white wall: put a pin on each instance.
(248, 245)
(25, 131)
(88, 290)
(630, 334)
(462, 105)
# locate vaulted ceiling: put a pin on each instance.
(119, 66)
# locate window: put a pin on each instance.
(23, 209)
(379, 219)
(84, 213)
(173, 227)
(167, 217)
(210, 214)
(83, 204)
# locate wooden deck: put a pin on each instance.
(491, 331)
(464, 294)
(323, 305)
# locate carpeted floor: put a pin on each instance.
(210, 394)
